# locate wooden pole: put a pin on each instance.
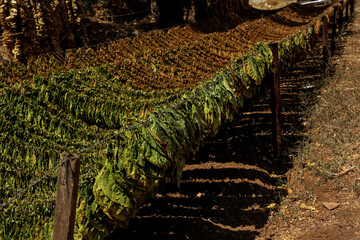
(66, 196)
(65, 57)
(333, 32)
(341, 16)
(352, 7)
(325, 35)
(275, 106)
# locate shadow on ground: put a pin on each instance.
(227, 189)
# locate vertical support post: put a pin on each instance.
(347, 10)
(65, 57)
(352, 8)
(275, 105)
(66, 196)
(325, 36)
(341, 15)
(333, 32)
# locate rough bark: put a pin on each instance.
(32, 27)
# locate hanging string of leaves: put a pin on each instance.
(42, 26)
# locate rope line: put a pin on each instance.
(34, 183)
(125, 14)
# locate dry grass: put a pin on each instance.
(326, 164)
(333, 147)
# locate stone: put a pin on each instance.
(331, 205)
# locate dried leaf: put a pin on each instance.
(311, 208)
(271, 205)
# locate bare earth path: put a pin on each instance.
(233, 189)
(324, 185)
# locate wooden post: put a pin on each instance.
(325, 35)
(341, 16)
(66, 196)
(65, 57)
(333, 32)
(347, 10)
(275, 105)
(352, 8)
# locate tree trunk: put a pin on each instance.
(32, 27)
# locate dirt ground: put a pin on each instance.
(234, 189)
